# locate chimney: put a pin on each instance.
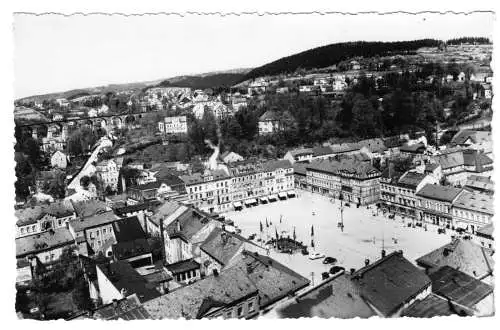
(383, 253)
(353, 271)
(367, 262)
(216, 272)
(178, 225)
(115, 303)
(123, 292)
(223, 236)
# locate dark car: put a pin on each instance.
(325, 275)
(251, 237)
(305, 252)
(347, 205)
(336, 269)
(329, 260)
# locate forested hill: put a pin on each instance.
(332, 54)
(202, 82)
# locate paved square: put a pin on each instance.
(363, 236)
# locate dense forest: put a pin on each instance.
(332, 54)
(469, 40)
(204, 82)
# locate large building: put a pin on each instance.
(346, 178)
(458, 164)
(398, 193)
(435, 204)
(107, 171)
(472, 210)
(209, 191)
(173, 125)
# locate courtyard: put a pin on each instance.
(365, 232)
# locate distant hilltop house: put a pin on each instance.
(173, 125)
(269, 123)
(62, 102)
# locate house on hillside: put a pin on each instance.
(269, 123)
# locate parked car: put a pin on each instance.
(347, 205)
(305, 252)
(336, 269)
(325, 275)
(252, 236)
(329, 260)
(316, 255)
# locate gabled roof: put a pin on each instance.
(480, 183)
(89, 208)
(167, 210)
(29, 215)
(301, 152)
(411, 179)
(322, 151)
(183, 266)
(273, 165)
(416, 148)
(475, 136)
(337, 297)
(269, 116)
(345, 166)
(124, 277)
(373, 145)
(221, 246)
(459, 287)
(196, 178)
(390, 282)
(464, 255)
(438, 192)
(190, 301)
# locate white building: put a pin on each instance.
(59, 160)
(173, 125)
(107, 171)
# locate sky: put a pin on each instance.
(53, 53)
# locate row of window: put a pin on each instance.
(186, 276)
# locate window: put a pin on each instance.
(250, 306)
(104, 231)
(22, 230)
(183, 276)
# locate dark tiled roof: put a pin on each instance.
(299, 168)
(42, 242)
(148, 186)
(432, 306)
(131, 249)
(221, 245)
(322, 151)
(300, 152)
(480, 183)
(59, 209)
(464, 255)
(123, 276)
(29, 215)
(126, 309)
(145, 206)
(486, 230)
(190, 301)
(166, 209)
(459, 287)
(476, 136)
(128, 229)
(390, 282)
(438, 192)
(337, 297)
(273, 280)
(374, 145)
(183, 266)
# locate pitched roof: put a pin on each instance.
(89, 208)
(432, 306)
(411, 179)
(459, 287)
(344, 166)
(476, 136)
(269, 116)
(144, 206)
(167, 211)
(301, 151)
(196, 178)
(221, 245)
(29, 215)
(374, 145)
(390, 282)
(464, 157)
(148, 186)
(438, 192)
(322, 151)
(337, 297)
(475, 201)
(275, 164)
(464, 255)
(182, 266)
(127, 309)
(190, 301)
(124, 277)
(42, 242)
(190, 222)
(480, 183)
(414, 148)
(128, 229)
(98, 219)
(274, 280)
(486, 230)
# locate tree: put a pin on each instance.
(54, 183)
(366, 119)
